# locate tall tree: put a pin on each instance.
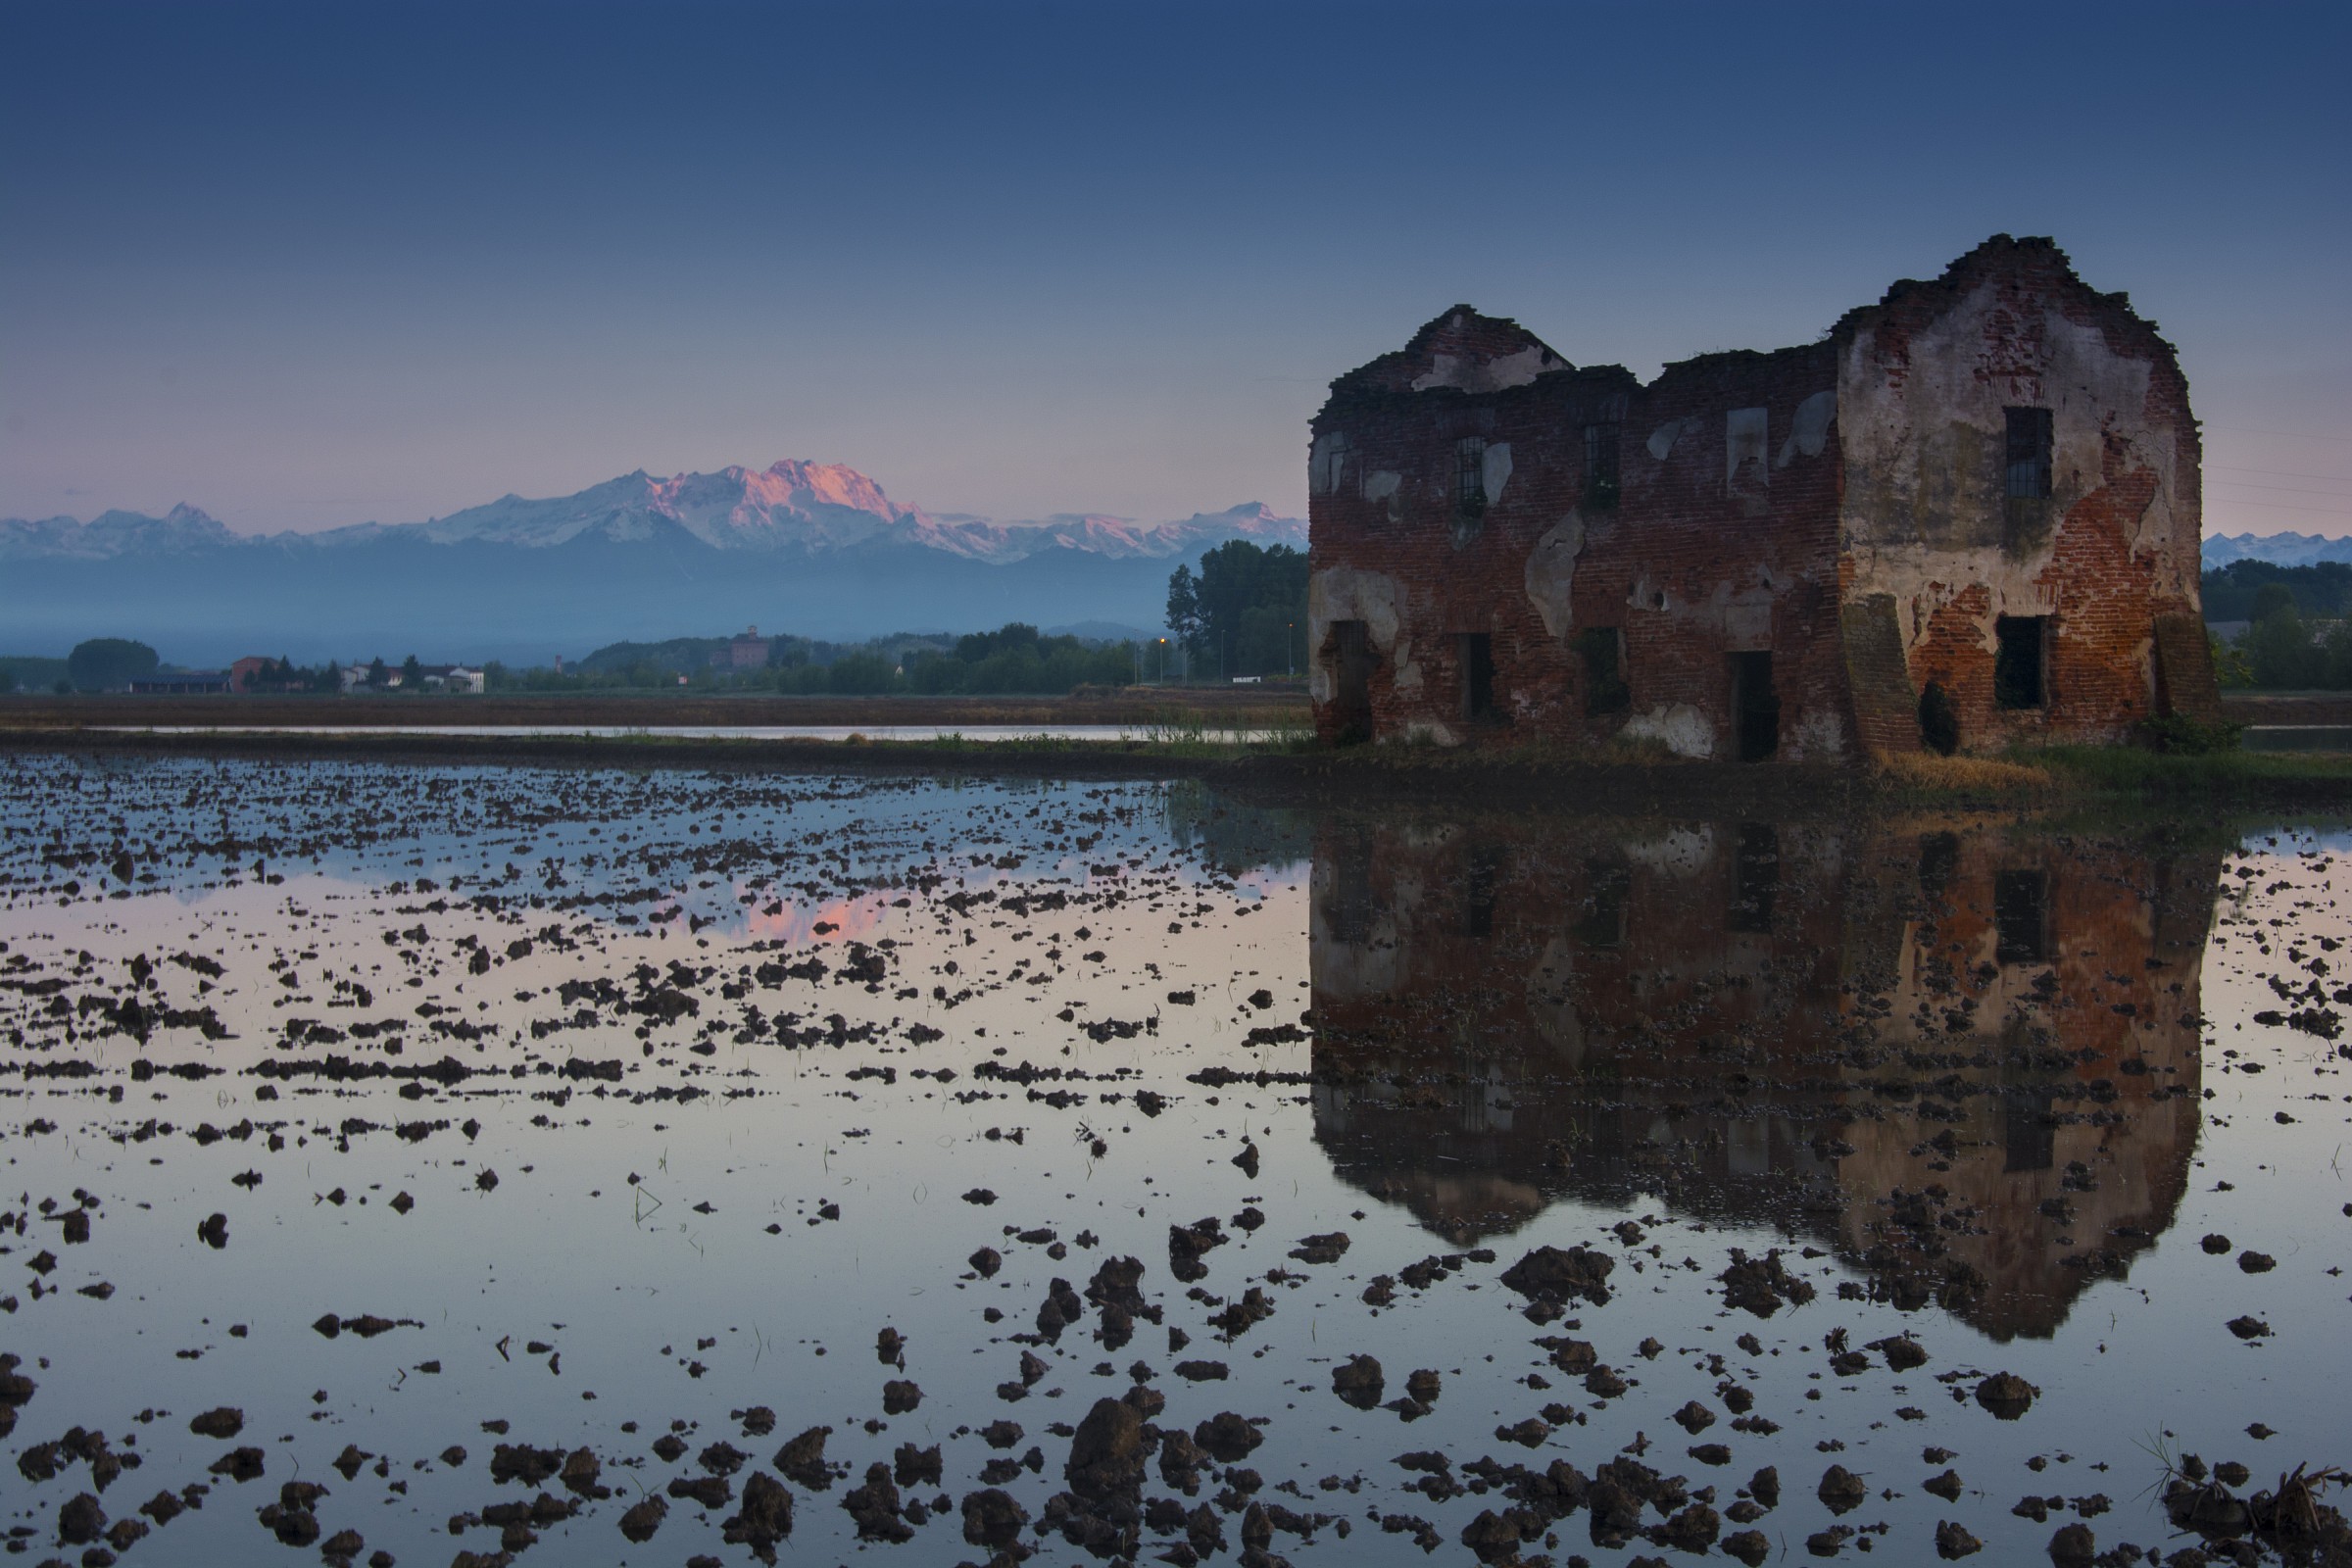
(1246, 606)
(1184, 608)
(109, 664)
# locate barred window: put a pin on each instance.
(1470, 476)
(1601, 466)
(2028, 461)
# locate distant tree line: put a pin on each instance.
(1244, 613)
(2319, 592)
(20, 673)
(2284, 650)
(1016, 658)
(282, 675)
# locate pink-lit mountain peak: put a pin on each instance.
(815, 505)
(789, 485)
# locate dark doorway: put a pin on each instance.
(1478, 676)
(1601, 922)
(1348, 910)
(2021, 916)
(2018, 660)
(1351, 661)
(1481, 872)
(2029, 1137)
(1755, 877)
(1939, 721)
(1603, 649)
(1756, 708)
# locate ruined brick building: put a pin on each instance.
(1970, 508)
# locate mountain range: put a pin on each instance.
(812, 548)
(2279, 549)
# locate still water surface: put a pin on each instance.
(594, 1109)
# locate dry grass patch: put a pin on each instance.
(1928, 773)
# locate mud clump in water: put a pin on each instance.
(1357, 1382)
(1558, 1275)
(801, 1461)
(2006, 1394)
(1761, 1285)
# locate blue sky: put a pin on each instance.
(319, 264)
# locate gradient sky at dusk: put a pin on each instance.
(319, 264)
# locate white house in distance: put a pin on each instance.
(455, 679)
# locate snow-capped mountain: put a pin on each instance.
(806, 546)
(792, 505)
(2278, 549)
(182, 530)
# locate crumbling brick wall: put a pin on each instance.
(1725, 542)
(1776, 503)
(1392, 548)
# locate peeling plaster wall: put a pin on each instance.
(1468, 374)
(1923, 380)
(1550, 577)
(1680, 727)
(1344, 593)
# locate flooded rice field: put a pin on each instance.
(478, 1165)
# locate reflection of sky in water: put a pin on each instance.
(1437, 941)
(754, 855)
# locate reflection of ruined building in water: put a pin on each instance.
(1966, 1057)
(1987, 485)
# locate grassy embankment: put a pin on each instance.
(2306, 778)
(1215, 730)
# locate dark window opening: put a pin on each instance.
(1470, 478)
(2029, 1140)
(2019, 658)
(1480, 874)
(1605, 689)
(1756, 708)
(2028, 468)
(1608, 886)
(1755, 877)
(1351, 661)
(1600, 467)
(2021, 916)
(1478, 675)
